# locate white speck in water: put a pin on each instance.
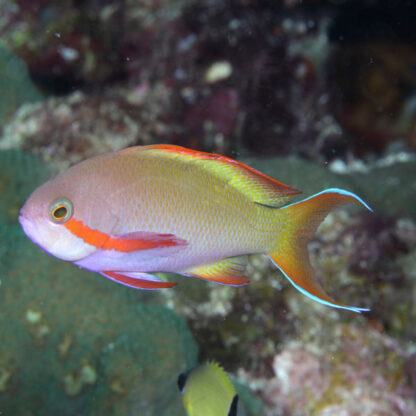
(218, 71)
(69, 54)
(33, 316)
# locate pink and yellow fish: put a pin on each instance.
(163, 208)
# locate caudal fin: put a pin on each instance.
(296, 229)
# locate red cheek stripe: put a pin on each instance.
(92, 237)
(106, 242)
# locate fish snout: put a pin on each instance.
(28, 226)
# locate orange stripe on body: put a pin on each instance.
(92, 237)
(106, 242)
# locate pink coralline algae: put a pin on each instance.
(297, 371)
(361, 375)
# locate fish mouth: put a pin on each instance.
(24, 222)
(31, 231)
(28, 226)
(49, 243)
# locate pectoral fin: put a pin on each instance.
(141, 241)
(226, 272)
(138, 280)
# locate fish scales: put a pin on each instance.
(179, 197)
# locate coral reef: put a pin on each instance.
(373, 63)
(66, 130)
(65, 44)
(240, 77)
(360, 373)
(264, 77)
(68, 45)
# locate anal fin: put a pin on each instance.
(138, 280)
(226, 272)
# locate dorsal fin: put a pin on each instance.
(221, 376)
(257, 186)
(226, 272)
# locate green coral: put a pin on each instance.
(20, 173)
(15, 85)
(249, 405)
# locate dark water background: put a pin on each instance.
(317, 94)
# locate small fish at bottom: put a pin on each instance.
(164, 208)
(207, 391)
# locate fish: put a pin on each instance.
(163, 208)
(207, 391)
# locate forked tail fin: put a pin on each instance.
(296, 228)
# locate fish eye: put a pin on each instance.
(60, 210)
